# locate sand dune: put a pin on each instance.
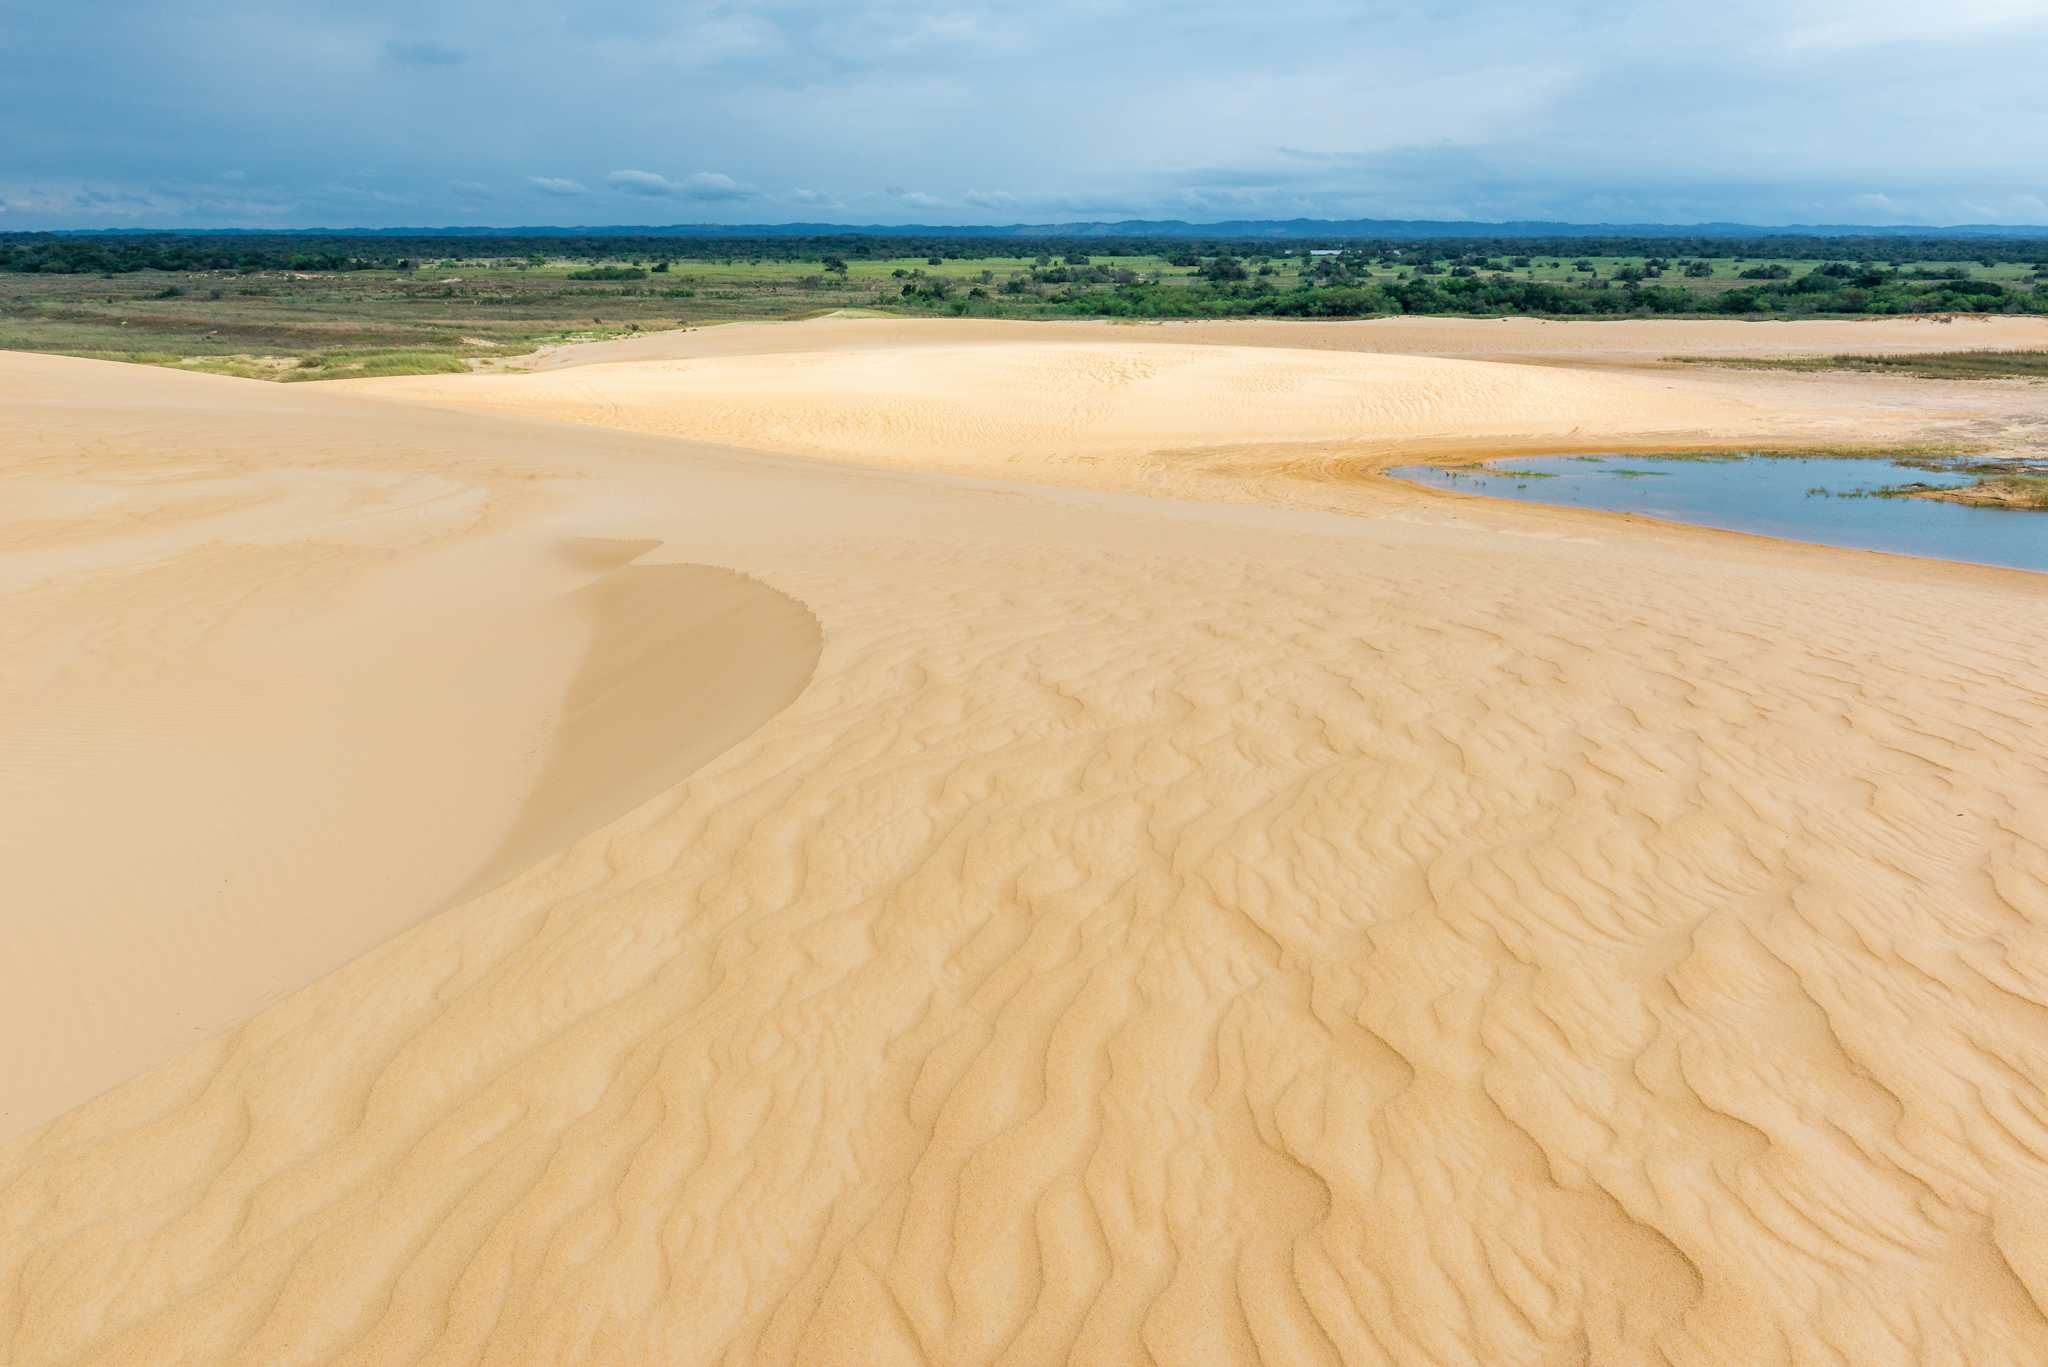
(1051, 924)
(1105, 405)
(1629, 340)
(258, 712)
(996, 405)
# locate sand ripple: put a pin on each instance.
(1171, 933)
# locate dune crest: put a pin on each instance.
(1215, 409)
(684, 661)
(259, 712)
(1044, 407)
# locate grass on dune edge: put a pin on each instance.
(333, 365)
(1930, 365)
(346, 364)
(1927, 454)
(341, 365)
(2027, 492)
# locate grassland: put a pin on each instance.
(444, 314)
(289, 326)
(1932, 365)
(2013, 491)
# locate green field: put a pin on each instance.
(444, 313)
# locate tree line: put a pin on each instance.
(116, 254)
(1818, 292)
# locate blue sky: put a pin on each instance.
(290, 114)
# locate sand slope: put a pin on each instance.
(1633, 341)
(1164, 407)
(1047, 406)
(261, 706)
(1156, 931)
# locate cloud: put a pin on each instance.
(710, 185)
(470, 189)
(707, 186)
(642, 183)
(700, 41)
(138, 206)
(1843, 28)
(1776, 111)
(358, 195)
(949, 30)
(66, 200)
(557, 185)
(422, 52)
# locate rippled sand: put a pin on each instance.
(676, 903)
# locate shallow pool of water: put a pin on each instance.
(1798, 498)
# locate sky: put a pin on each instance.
(303, 113)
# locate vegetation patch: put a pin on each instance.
(1922, 455)
(2022, 492)
(361, 365)
(229, 299)
(366, 364)
(1931, 365)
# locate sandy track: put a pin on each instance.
(1157, 930)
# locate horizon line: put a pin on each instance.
(1135, 225)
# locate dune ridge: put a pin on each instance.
(1157, 931)
(683, 662)
(259, 710)
(1046, 406)
(1632, 341)
(1214, 409)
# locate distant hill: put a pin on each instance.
(1248, 229)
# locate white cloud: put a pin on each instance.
(66, 203)
(704, 185)
(73, 199)
(1846, 27)
(642, 183)
(711, 185)
(556, 185)
(701, 41)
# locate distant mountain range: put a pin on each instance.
(1279, 230)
